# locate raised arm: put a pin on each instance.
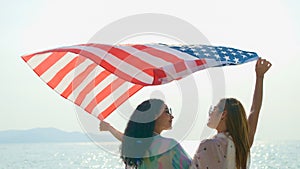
(104, 126)
(262, 66)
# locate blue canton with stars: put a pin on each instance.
(227, 56)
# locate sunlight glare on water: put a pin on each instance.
(264, 155)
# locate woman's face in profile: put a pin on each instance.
(164, 121)
(214, 117)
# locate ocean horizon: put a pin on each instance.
(88, 155)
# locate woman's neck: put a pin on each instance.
(222, 127)
(157, 131)
(222, 131)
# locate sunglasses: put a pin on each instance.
(168, 111)
(211, 109)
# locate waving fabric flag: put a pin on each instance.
(100, 77)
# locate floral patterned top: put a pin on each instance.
(165, 153)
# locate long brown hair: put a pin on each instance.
(237, 126)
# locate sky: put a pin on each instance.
(270, 28)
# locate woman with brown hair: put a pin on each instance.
(230, 147)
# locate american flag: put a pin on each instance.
(100, 77)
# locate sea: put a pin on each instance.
(264, 155)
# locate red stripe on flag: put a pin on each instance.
(119, 101)
(82, 52)
(180, 66)
(64, 71)
(27, 57)
(88, 88)
(127, 57)
(77, 80)
(200, 62)
(163, 55)
(158, 53)
(48, 62)
(159, 74)
(102, 63)
(104, 93)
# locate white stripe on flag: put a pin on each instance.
(180, 55)
(69, 78)
(89, 78)
(146, 57)
(129, 69)
(193, 67)
(97, 89)
(38, 59)
(121, 65)
(213, 62)
(110, 99)
(57, 66)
